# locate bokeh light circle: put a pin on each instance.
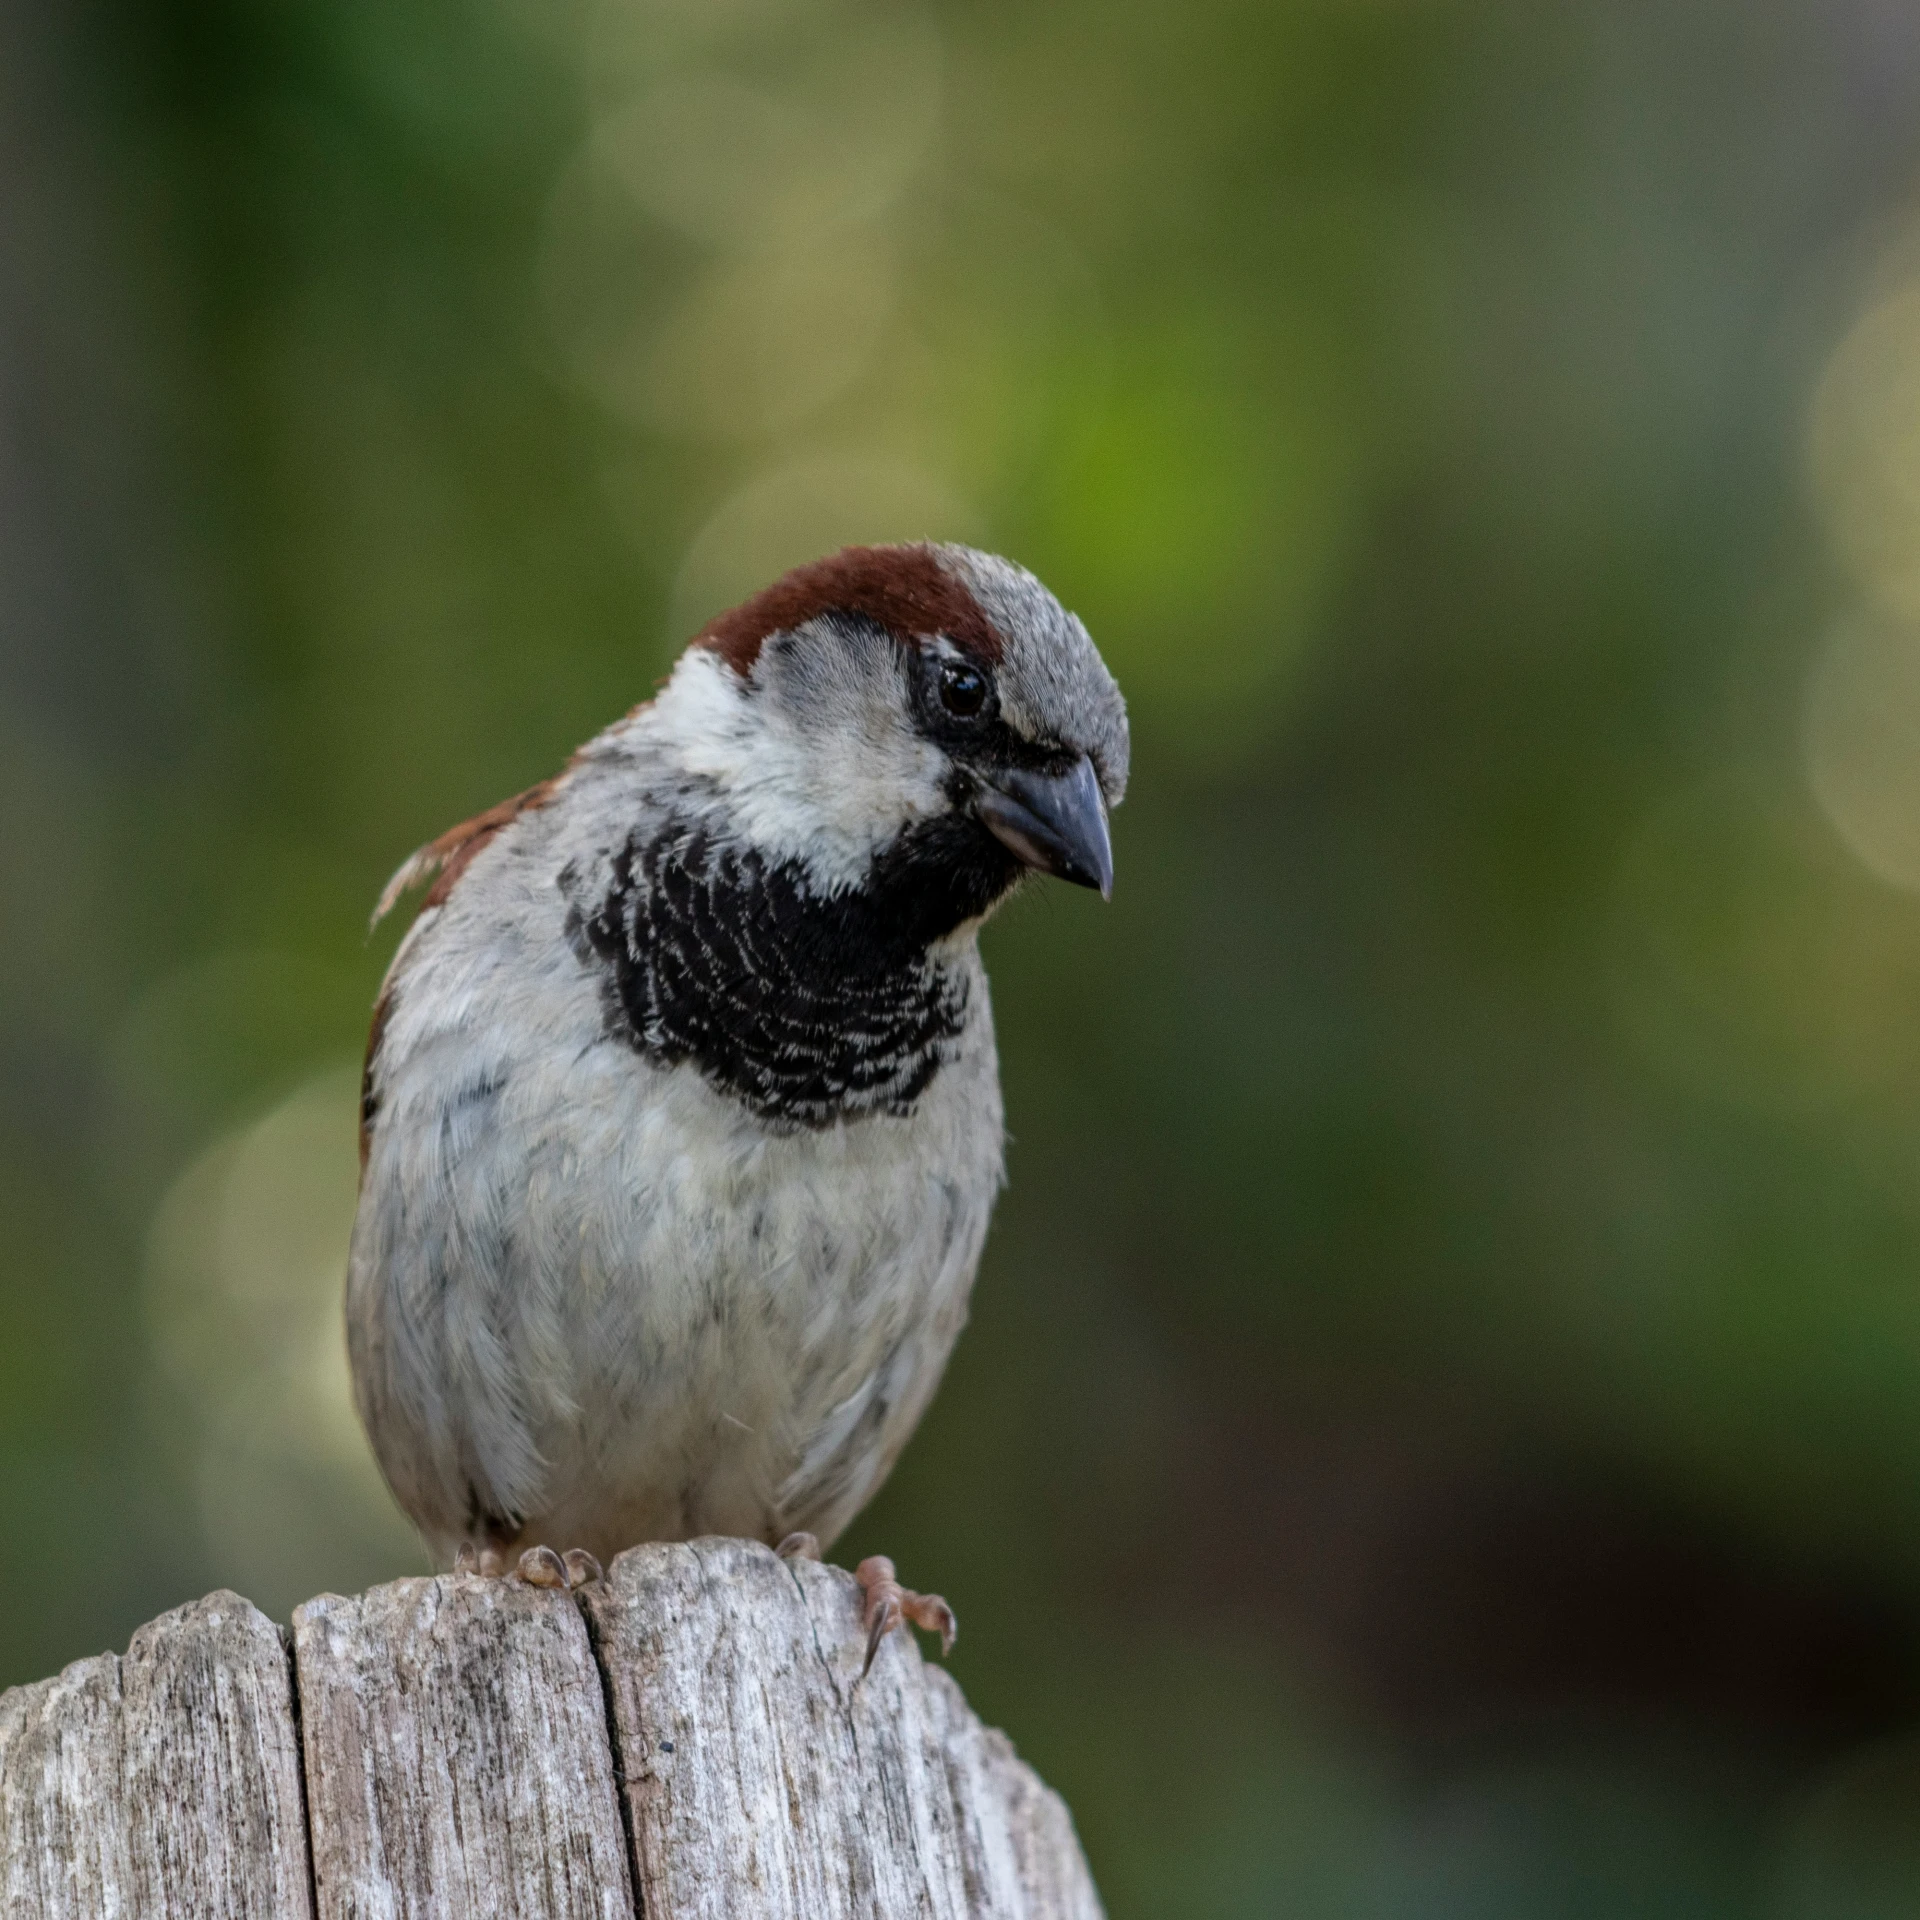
(1861, 739)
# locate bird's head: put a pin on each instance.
(913, 708)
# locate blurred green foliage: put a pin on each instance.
(1439, 1429)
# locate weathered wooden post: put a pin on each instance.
(683, 1742)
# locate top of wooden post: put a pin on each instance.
(685, 1739)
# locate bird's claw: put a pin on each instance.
(799, 1546)
(542, 1567)
(538, 1566)
(888, 1603)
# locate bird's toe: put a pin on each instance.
(887, 1603)
(542, 1567)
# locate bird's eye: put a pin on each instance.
(963, 689)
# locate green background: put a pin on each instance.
(1440, 1429)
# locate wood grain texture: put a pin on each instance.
(458, 1757)
(162, 1783)
(762, 1784)
(453, 1743)
(62, 1820)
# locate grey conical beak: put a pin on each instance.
(1055, 822)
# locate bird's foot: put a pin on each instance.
(799, 1546)
(888, 1603)
(537, 1567)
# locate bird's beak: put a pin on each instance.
(1054, 822)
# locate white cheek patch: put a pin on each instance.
(819, 757)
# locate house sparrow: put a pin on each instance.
(681, 1122)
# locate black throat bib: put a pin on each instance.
(810, 1008)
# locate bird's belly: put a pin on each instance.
(757, 1320)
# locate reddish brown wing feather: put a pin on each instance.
(905, 589)
(456, 848)
(448, 858)
(453, 852)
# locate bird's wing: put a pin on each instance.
(450, 855)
